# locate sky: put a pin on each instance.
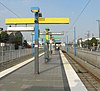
(57, 8)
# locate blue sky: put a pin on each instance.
(57, 8)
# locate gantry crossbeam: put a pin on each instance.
(15, 21)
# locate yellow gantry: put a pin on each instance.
(41, 21)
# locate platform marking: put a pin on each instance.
(74, 81)
(9, 70)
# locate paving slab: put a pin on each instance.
(52, 77)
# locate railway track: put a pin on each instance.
(90, 81)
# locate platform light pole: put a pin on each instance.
(32, 44)
(50, 42)
(47, 43)
(99, 27)
(67, 43)
(44, 48)
(36, 29)
(74, 42)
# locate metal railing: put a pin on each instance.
(9, 55)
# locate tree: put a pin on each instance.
(83, 44)
(0, 38)
(18, 38)
(78, 42)
(4, 37)
(94, 41)
(11, 38)
(88, 43)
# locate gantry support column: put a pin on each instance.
(36, 29)
(47, 44)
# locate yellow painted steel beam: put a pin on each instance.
(53, 33)
(19, 21)
(10, 21)
(53, 20)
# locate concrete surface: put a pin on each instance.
(52, 77)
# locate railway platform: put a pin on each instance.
(55, 75)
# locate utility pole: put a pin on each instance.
(74, 41)
(88, 34)
(67, 43)
(98, 26)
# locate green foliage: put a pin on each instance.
(90, 43)
(4, 37)
(94, 41)
(0, 37)
(18, 38)
(11, 38)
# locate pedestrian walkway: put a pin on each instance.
(51, 78)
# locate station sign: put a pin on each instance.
(22, 29)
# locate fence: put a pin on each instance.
(9, 55)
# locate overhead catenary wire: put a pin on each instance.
(9, 9)
(77, 18)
